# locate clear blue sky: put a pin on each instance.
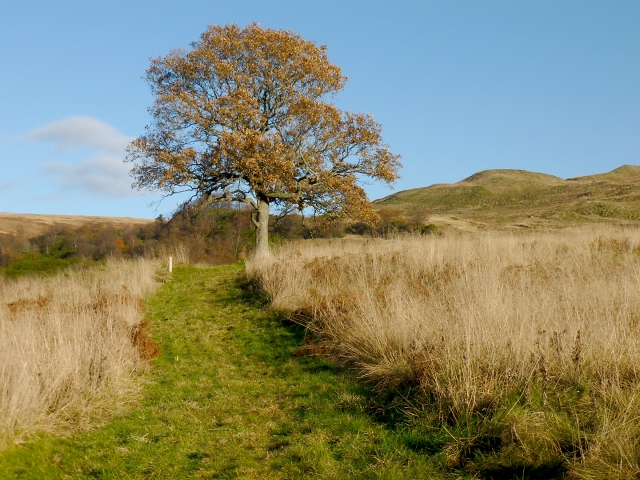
(458, 86)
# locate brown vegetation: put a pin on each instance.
(70, 347)
(526, 345)
(212, 234)
(31, 225)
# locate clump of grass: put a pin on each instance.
(70, 346)
(525, 348)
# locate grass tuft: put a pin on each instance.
(71, 347)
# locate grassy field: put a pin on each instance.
(235, 394)
(522, 349)
(486, 356)
(517, 199)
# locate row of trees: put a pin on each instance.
(211, 235)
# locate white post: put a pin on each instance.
(170, 264)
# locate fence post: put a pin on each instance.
(170, 264)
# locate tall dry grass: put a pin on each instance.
(179, 252)
(534, 336)
(70, 347)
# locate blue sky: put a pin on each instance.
(458, 86)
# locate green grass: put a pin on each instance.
(516, 199)
(227, 399)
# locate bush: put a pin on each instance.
(430, 229)
(38, 265)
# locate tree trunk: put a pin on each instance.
(262, 230)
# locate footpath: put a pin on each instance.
(227, 398)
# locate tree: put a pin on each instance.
(244, 116)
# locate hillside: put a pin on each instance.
(521, 199)
(34, 224)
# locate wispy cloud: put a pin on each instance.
(104, 175)
(81, 132)
(6, 186)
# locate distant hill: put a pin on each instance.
(521, 199)
(33, 224)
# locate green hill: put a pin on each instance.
(520, 199)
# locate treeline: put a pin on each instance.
(206, 233)
(218, 233)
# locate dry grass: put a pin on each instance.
(179, 253)
(535, 337)
(70, 347)
(30, 224)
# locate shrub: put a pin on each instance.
(38, 265)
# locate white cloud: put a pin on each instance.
(104, 175)
(81, 132)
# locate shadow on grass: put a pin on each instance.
(543, 472)
(393, 410)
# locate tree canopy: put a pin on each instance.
(246, 116)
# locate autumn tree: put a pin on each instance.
(246, 116)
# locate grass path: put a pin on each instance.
(227, 399)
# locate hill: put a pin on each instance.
(521, 199)
(30, 225)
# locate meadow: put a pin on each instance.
(513, 352)
(480, 355)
